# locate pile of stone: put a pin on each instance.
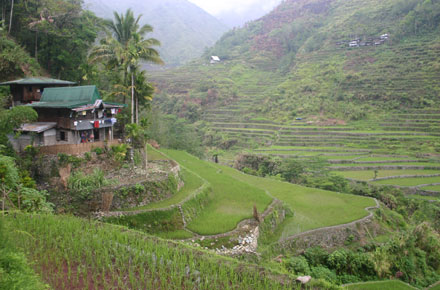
(246, 245)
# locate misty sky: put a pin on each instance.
(244, 9)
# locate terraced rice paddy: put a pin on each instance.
(432, 188)
(421, 164)
(414, 181)
(231, 200)
(72, 253)
(234, 194)
(366, 175)
(391, 145)
(380, 285)
(192, 183)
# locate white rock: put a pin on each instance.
(304, 279)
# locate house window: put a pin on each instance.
(62, 136)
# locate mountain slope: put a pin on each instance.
(184, 29)
(297, 60)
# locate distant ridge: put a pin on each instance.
(184, 29)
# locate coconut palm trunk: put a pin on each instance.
(10, 18)
(132, 97)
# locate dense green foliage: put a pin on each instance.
(14, 118)
(57, 33)
(18, 190)
(417, 266)
(83, 185)
(173, 132)
(15, 271)
(14, 60)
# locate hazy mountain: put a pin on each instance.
(184, 29)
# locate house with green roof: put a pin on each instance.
(28, 90)
(69, 115)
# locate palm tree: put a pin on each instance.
(126, 47)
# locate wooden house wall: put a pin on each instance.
(59, 116)
(26, 94)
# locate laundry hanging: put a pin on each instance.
(96, 124)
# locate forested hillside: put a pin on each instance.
(184, 29)
(297, 60)
(53, 35)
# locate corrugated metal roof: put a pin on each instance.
(37, 81)
(67, 97)
(37, 127)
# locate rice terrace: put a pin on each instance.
(207, 145)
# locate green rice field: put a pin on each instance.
(432, 188)
(73, 253)
(409, 181)
(424, 164)
(231, 200)
(234, 194)
(365, 175)
(380, 285)
(313, 208)
(192, 183)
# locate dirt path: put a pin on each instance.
(336, 226)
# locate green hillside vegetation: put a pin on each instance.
(55, 35)
(14, 60)
(296, 61)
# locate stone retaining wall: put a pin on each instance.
(334, 236)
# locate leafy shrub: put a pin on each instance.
(98, 150)
(33, 200)
(9, 176)
(316, 256)
(88, 156)
(119, 152)
(15, 273)
(298, 265)
(84, 185)
(138, 189)
(64, 159)
(323, 273)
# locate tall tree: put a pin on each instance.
(125, 48)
